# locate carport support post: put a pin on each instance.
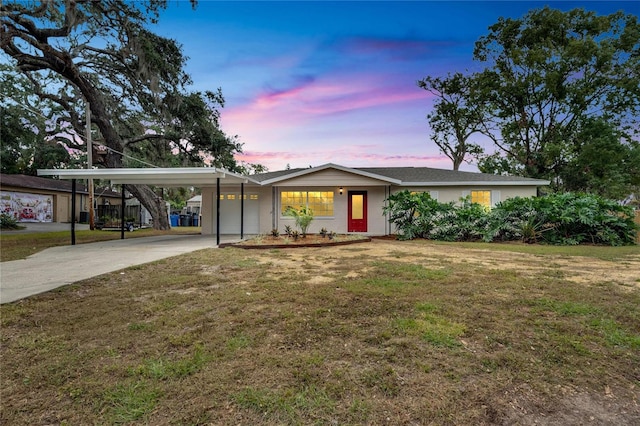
(73, 212)
(242, 211)
(218, 211)
(122, 215)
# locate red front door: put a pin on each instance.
(357, 221)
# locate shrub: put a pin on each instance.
(513, 219)
(465, 222)
(415, 214)
(303, 218)
(8, 222)
(565, 219)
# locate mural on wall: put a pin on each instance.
(27, 207)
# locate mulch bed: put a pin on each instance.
(311, 240)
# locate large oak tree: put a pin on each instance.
(548, 76)
(556, 89)
(133, 80)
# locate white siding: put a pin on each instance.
(454, 193)
(230, 210)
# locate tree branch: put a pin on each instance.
(141, 138)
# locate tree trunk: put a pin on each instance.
(152, 202)
(456, 163)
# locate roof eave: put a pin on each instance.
(480, 183)
(331, 166)
(183, 176)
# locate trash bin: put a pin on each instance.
(185, 220)
(194, 220)
(175, 219)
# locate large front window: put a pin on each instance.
(320, 202)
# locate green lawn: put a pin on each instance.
(384, 332)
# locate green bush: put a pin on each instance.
(415, 214)
(563, 219)
(8, 222)
(464, 222)
(303, 218)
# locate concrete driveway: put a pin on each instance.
(58, 266)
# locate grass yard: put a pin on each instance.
(385, 332)
(15, 246)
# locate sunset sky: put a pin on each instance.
(308, 83)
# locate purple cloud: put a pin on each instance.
(394, 48)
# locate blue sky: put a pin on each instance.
(307, 83)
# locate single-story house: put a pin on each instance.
(345, 199)
(35, 199)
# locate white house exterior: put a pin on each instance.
(344, 199)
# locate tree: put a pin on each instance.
(601, 164)
(455, 116)
(24, 142)
(101, 53)
(547, 75)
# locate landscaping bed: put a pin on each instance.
(285, 241)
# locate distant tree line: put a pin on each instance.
(558, 99)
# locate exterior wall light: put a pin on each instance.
(340, 190)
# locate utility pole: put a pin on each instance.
(92, 221)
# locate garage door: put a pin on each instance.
(230, 207)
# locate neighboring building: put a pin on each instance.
(36, 199)
(345, 199)
(193, 204)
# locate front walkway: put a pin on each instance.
(58, 266)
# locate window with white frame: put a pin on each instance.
(320, 202)
(487, 198)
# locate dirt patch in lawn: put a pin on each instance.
(586, 270)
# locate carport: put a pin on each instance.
(162, 177)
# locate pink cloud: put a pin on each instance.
(311, 99)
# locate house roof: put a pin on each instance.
(275, 175)
(166, 177)
(290, 174)
(48, 184)
(207, 176)
(408, 176)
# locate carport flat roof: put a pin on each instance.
(174, 176)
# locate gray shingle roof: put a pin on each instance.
(417, 176)
(271, 175)
(35, 182)
(428, 174)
